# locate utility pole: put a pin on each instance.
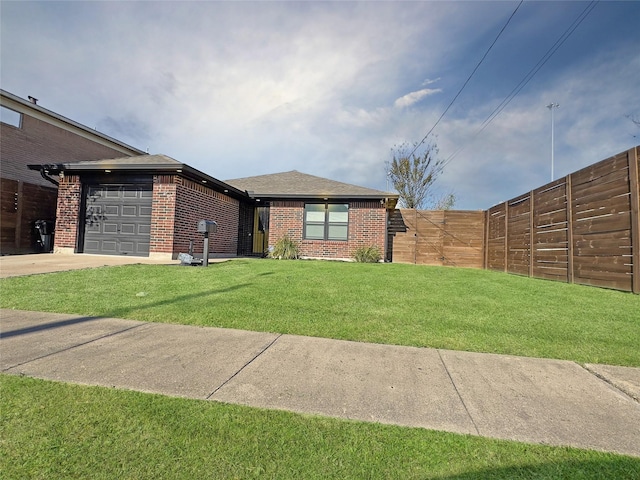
(551, 106)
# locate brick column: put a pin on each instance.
(68, 214)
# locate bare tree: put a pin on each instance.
(444, 202)
(413, 174)
(635, 120)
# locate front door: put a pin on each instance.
(261, 230)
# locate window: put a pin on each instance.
(326, 221)
(10, 117)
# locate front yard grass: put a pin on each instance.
(53, 430)
(448, 308)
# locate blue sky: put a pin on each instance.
(328, 88)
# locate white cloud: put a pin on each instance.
(414, 97)
(244, 88)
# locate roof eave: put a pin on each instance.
(37, 108)
(178, 169)
(323, 196)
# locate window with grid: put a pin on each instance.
(326, 221)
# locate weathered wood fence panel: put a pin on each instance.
(583, 228)
(20, 205)
(437, 237)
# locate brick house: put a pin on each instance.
(328, 219)
(110, 198)
(147, 205)
(31, 134)
(150, 205)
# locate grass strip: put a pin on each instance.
(448, 308)
(55, 430)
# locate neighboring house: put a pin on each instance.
(150, 205)
(328, 219)
(30, 134)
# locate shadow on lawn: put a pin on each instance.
(618, 468)
(118, 313)
(124, 312)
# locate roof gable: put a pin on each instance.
(297, 184)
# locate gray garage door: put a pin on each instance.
(118, 219)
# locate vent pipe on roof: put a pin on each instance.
(33, 100)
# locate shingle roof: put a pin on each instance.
(149, 164)
(297, 184)
(146, 161)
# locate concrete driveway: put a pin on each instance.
(17, 265)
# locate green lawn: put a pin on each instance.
(449, 308)
(52, 430)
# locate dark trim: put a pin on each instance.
(179, 169)
(326, 223)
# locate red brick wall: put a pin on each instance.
(195, 202)
(68, 212)
(178, 205)
(367, 227)
(163, 208)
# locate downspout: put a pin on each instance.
(44, 172)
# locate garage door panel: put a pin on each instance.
(110, 228)
(129, 210)
(112, 192)
(128, 229)
(111, 210)
(108, 247)
(118, 219)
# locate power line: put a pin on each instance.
(527, 78)
(467, 80)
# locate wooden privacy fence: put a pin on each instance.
(436, 237)
(582, 228)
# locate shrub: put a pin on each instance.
(285, 248)
(368, 255)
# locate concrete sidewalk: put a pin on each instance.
(526, 399)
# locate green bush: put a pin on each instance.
(285, 248)
(368, 255)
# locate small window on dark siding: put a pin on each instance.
(10, 117)
(326, 221)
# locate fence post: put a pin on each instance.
(634, 184)
(506, 236)
(568, 194)
(485, 240)
(531, 230)
(415, 243)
